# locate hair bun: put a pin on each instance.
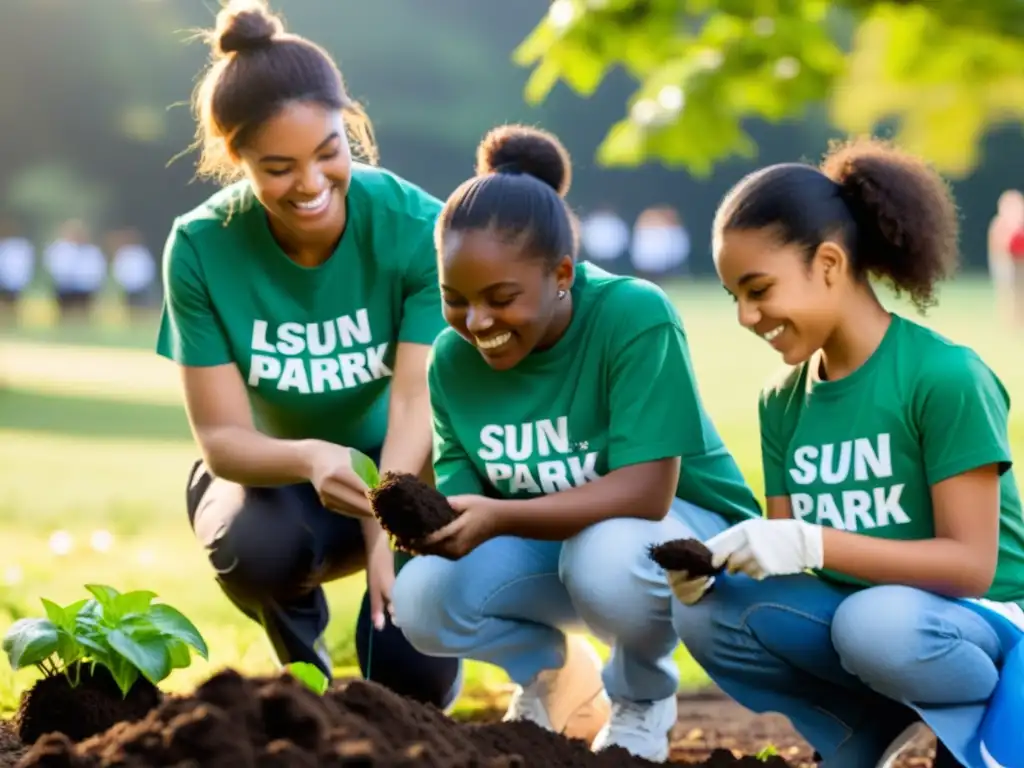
(245, 26)
(523, 149)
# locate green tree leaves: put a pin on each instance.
(705, 67)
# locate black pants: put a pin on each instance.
(272, 549)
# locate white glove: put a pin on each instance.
(688, 589)
(761, 548)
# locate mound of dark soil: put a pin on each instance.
(688, 555)
(266, 722)
(408, 508)
(10, 745)
(92, 707)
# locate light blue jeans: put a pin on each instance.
(510, 600)
(850, 668)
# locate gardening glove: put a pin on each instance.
(762, 548)
(688, 589)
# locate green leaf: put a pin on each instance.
(73, 609)
(68, 648)
(96, 647)
(179, 653)
(173, 623)
(310, 676)
(56, 614)
(90, 611)
(139, 626)
(150, 656)
(125, 673)
(29, 641)
(133, 602)
(104, 595)
(363, 466)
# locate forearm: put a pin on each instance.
(560, 516)
(248, 457)
(407, 444)
(941, 565)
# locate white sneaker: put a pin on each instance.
(900, 743)
(570, 700)
(640, 727)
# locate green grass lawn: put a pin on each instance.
(93, 438)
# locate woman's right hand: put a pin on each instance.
(339, 487)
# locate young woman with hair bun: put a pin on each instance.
(301, 304)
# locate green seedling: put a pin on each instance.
(310, 676)
(127, 633)
(767, 752)
(364, 466)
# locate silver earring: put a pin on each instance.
(561, 294)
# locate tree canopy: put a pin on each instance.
(939, 74)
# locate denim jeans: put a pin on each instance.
(849, 668)
(510, 600)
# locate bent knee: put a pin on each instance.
(277, 564)
(418, 599)
(608, 574)
(882, 632)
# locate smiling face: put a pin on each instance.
(790, 303)
(500, 300)
(300, 164)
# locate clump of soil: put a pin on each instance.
(275, 721)
(10, 745)
(690, 555)
(408, 508)
(91, 707)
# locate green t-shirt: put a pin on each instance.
(617, 389)
(861, 453)
(315, 345)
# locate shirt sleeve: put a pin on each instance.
(773, 451)
(655, 408)
(962, 412)
(190, 331)
(422, 317)
(453, 470)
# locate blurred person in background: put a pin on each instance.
(77, 270)
(133, 268)
(17, 268)
(885, 588)
(661, 244)
(300, 304)
(1006, 270)
(604, 237)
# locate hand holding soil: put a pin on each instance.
(477, 522)
(338, 485)
(409, 509)
(690, 567)
(689, 555)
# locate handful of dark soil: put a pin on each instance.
(690, 555)
(409, 509)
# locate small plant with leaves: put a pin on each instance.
(310, 676)
(365, 468)
(767, 753)
(127, 633)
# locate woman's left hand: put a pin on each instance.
(477, 522)
(761, 548)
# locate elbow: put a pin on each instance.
(973, 581)
(214, 457)
(655, 509)
(976, 582)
